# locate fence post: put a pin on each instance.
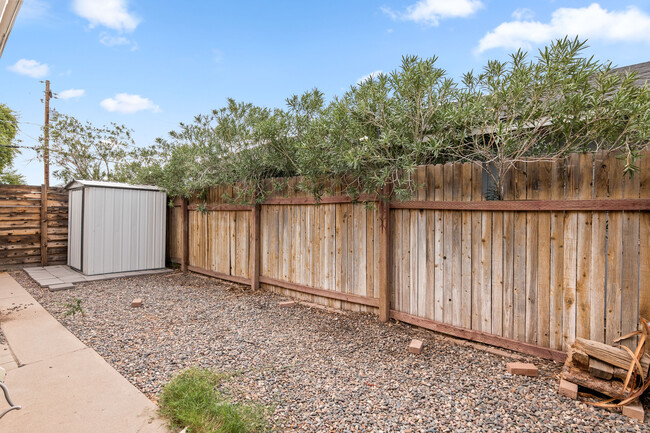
(255, 247)
(44, 225)
(185, 238)
(384, 259)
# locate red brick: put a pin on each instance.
(286, 304)
(634, 410)
(137, 302)
(568, 389)
(416, 346)
(522, 368)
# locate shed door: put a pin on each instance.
(75, 227)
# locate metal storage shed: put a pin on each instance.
(115, 227)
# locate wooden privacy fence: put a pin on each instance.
(566, 254)
(33, 226)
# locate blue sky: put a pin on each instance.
(152, 64)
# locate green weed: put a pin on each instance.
(191, 399)
(73, 307)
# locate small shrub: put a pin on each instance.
(191, 399)
(73, 307)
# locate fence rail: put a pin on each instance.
(566, 254)
(33, 226)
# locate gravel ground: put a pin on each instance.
(317, 371)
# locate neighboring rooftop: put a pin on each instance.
(642, 69)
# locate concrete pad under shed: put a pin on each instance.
(50, 276)
(63, 385)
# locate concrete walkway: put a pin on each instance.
(62, 385)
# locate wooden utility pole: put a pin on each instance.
(46, 173)
(46, 136)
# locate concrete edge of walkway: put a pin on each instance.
(62, 384)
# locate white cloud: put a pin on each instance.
(370, 75)
(128, 104)
(71, 93)
(432, 11)
(114, 41)
(113, 14)
(592, 22)
(523, 14)
(31, 68)
(34, 10)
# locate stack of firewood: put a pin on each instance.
(617, 373)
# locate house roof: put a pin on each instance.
(642, 69)
(79, 183)
(8, 12)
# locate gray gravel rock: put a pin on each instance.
(318, 371)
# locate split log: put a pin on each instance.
(600, 369)
(577, 358)
(610, 388)
(610, 354)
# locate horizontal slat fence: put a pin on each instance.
(564, 255)
(24, 217)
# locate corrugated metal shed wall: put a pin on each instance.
(74, 228)
(123, 230)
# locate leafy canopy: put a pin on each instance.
(377, 132)
(8, 149)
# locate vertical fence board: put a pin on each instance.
(403, 286)
(520, 256)
(543, 257)
(532, 257)
(475, 251)
(630, 264)
(557, 258)
(583, 282)
(598, 251)
(421, 256)
(570, 253)
(371, 215)
(614, 253)
(644, 235)
(508, 259)
(456, 256)
(497, 273)
(466, 248)
(447, 246)
(486, 263)
(439, 292)
(431, 265)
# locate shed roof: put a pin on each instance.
(77, 183)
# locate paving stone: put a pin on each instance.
(73, 279)
(137, 302)
(634, 410)
(49, 282)
(568, 389)
(61, 286)
(522, 368)
(416, 346)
